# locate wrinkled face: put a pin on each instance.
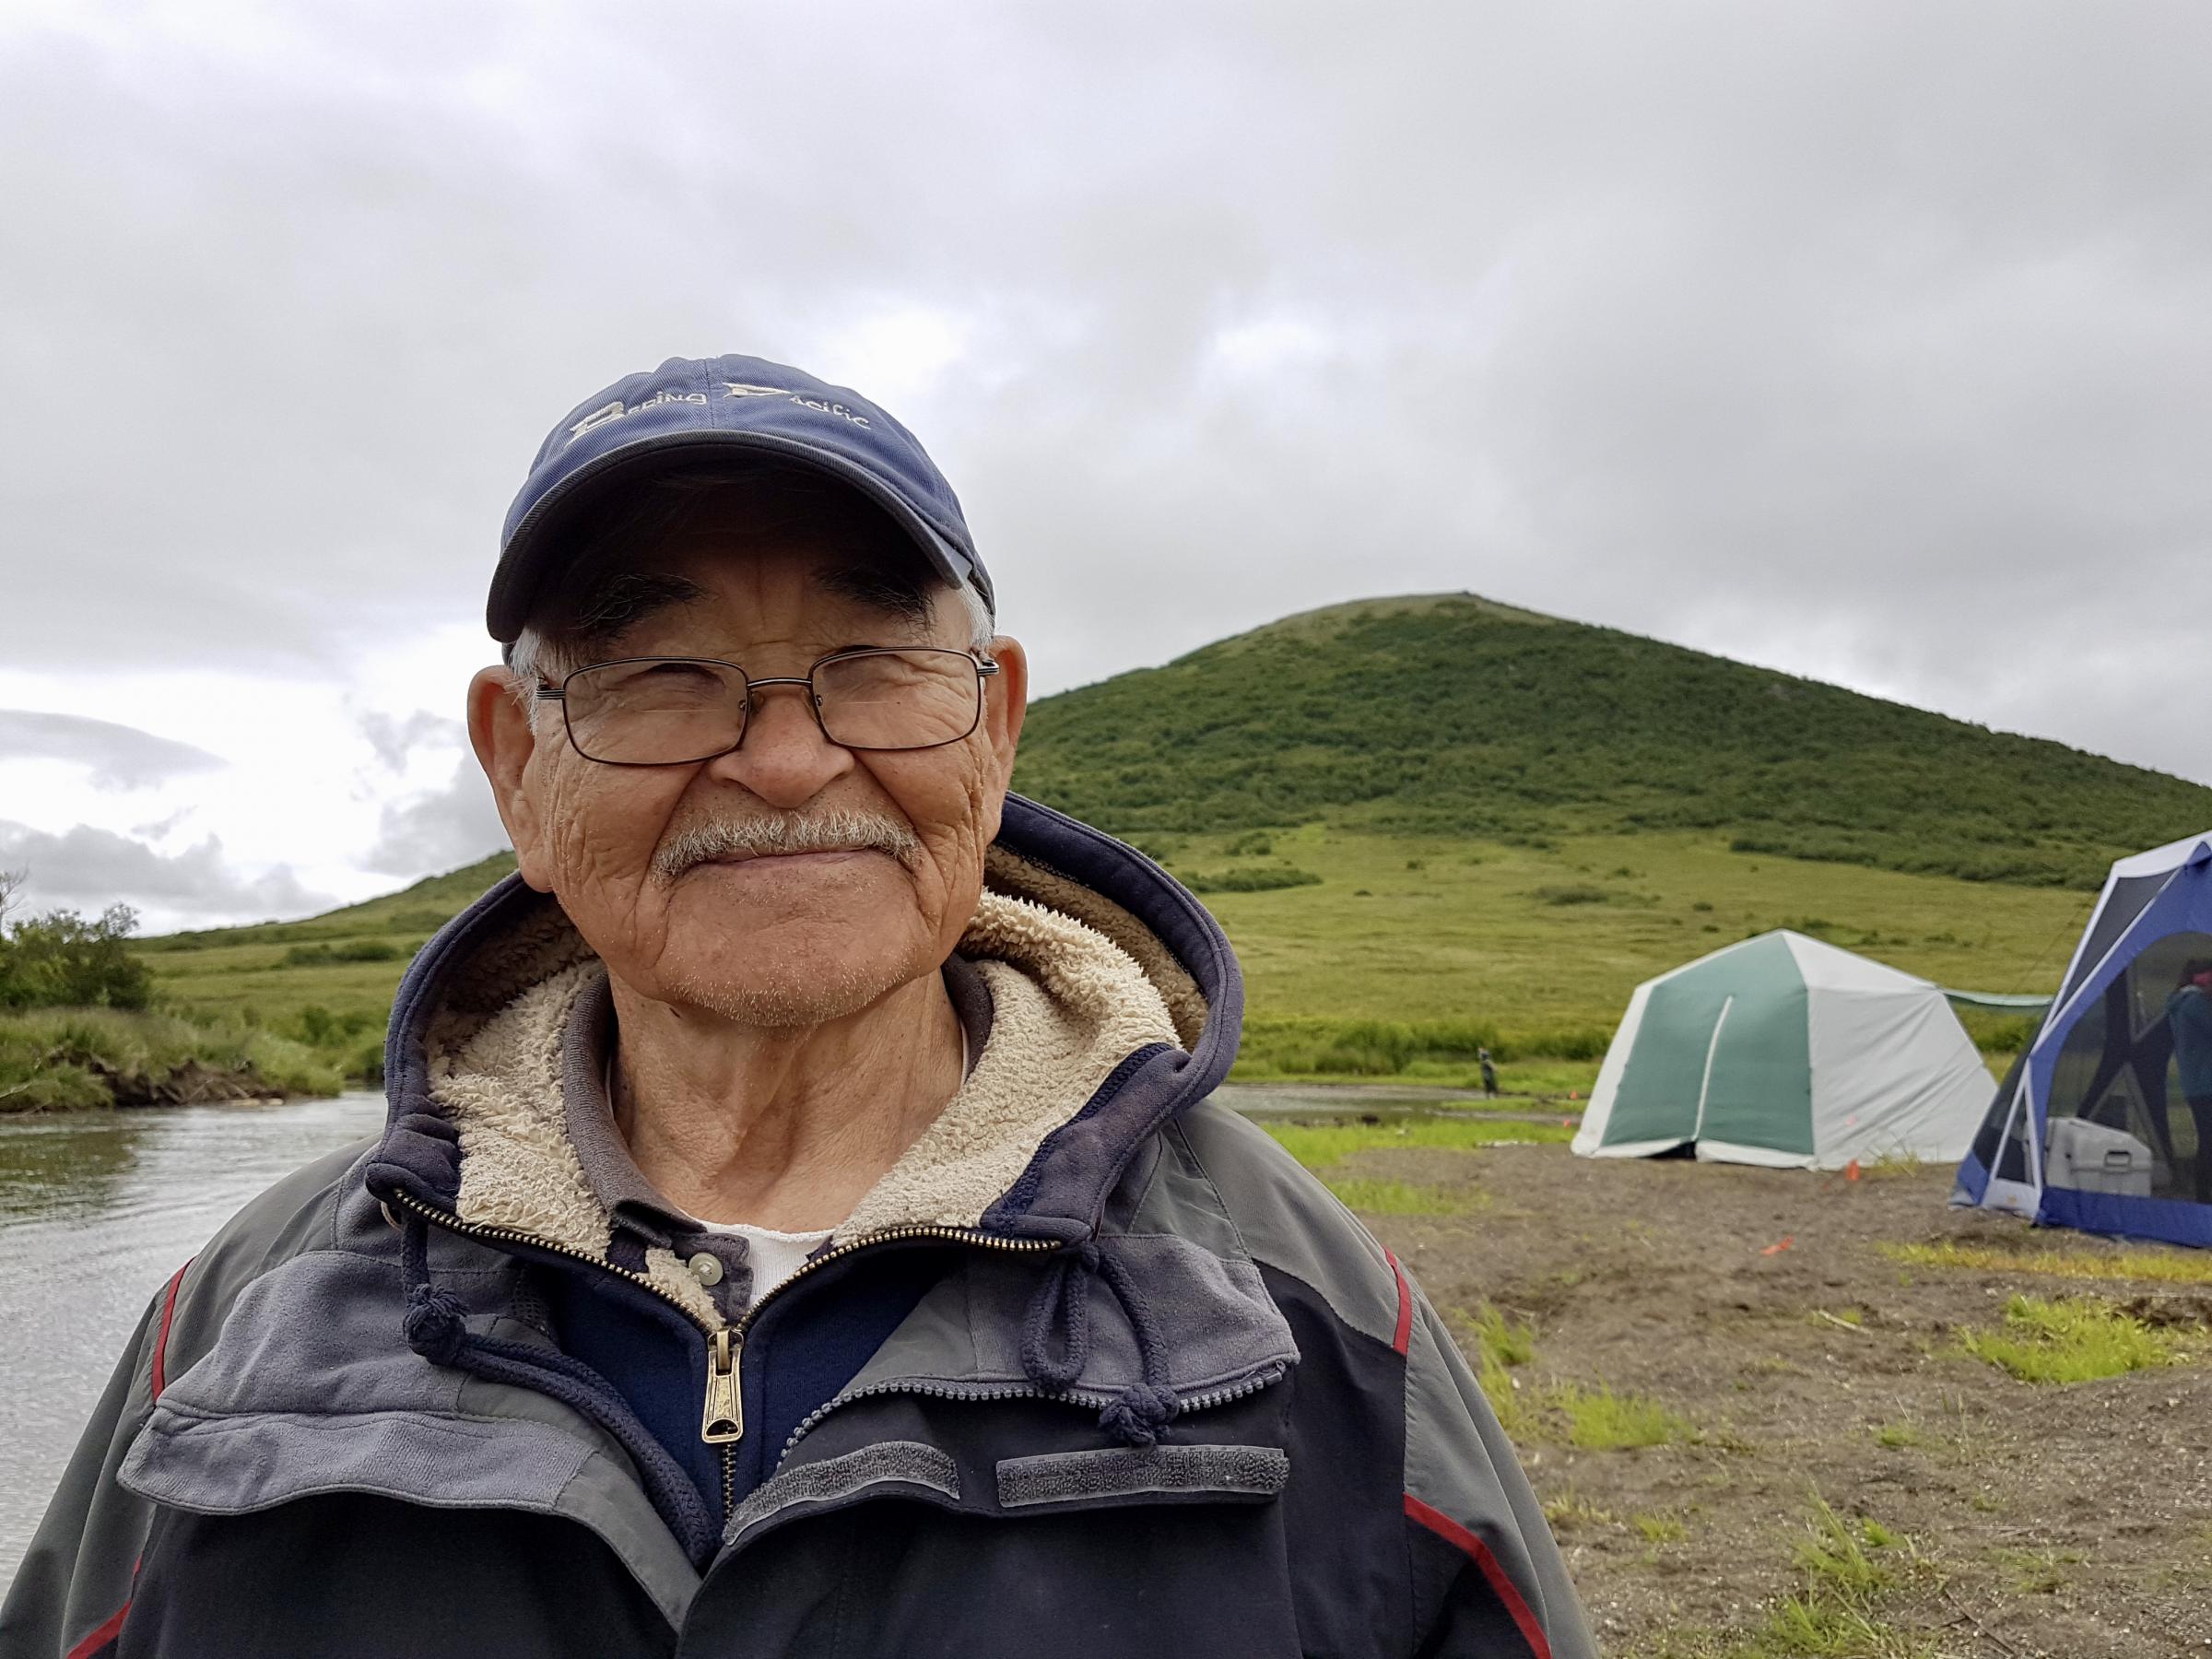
(760, 938)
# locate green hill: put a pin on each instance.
(1433, 822)
(1449, 714)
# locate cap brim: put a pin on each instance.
(534, 556)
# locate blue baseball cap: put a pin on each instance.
(692, 408)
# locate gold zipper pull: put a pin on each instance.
(725, 1420)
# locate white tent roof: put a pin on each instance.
(2158, 860)
(1823, 966)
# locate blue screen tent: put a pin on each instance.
(2103, 1057)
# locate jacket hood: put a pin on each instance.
(1116, 1005)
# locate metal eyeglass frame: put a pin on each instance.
(985, 668)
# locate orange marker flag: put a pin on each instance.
(1787, 1240)
(1850, 1170)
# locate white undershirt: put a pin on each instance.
(773, 1256)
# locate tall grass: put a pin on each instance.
(58, 1059)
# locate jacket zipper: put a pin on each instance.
(721, 1414)
(1267, 1376)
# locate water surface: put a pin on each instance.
(97, 1210)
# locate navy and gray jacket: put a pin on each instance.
(1095, 1370)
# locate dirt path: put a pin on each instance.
(2069, 1522)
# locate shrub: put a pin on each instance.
(1572, 893)
(62, 960)
(346, 950)
(1257, 879)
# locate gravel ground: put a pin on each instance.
(2072, 1521)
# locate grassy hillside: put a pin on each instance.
(1449, 714)
(1437, 822)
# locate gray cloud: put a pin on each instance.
(441, 829)
(394, 738)
(118, 756)
(87, 869)
(1862, 339)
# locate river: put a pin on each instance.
(97, 1210)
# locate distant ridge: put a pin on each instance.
(1452, 714)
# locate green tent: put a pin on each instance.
(1786, 1051)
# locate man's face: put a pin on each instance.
(773, 939)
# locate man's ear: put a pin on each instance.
(500, 731)
(1006, 699)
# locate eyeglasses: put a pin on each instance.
(676, 710)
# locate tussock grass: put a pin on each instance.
(1572, 1512)
(2036, 1571)
(2072, 1262)
(1834, 1553)
(1600, 1420)
(1661, 1529)
(1502, 1344)
(1810, 1627)
(1850, 1566)
(2072, 1339)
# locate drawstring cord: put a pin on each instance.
(1138, 1415)
(436, 1325)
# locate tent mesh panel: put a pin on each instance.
(2116, 1069)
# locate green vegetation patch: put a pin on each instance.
(2070, 1339)
(2068, 1262)
(1600, 1420)
(1312, 1046)
(1324, 1145)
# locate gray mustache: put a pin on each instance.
(833, 831)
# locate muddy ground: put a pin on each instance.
(2066, 1522)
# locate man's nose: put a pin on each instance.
(784, 758)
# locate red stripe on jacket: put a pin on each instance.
(110, 1629)
(169, 1312)
(1452, 1533)
(1402, 1339)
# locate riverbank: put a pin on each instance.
(83, 1059)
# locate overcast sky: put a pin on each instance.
(1868, 341)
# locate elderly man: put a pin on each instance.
(801, 1225)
